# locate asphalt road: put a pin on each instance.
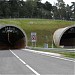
(21, 62)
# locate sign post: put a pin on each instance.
(33, 39)
(46, 42)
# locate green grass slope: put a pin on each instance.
(43, 28)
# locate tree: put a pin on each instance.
(4, 9)
(47, 10)
(55, 12)
(30, 4)
(68, 12)
(48, 6)
(22, 9)
(73, 10)
(14, 8)
(61, 9)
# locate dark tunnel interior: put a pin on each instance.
(12, 37)
(68, 38)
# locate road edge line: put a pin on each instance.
(25, 63)
(44, 53)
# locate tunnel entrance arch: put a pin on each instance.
(65, 37)
(68, 38)
(12, 37)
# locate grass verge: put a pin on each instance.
(64, 53)
(68, 54)
(43, 28)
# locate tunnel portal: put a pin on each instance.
(12, 37)
(68, 38)
(65, 37)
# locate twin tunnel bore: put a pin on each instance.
(12, 37)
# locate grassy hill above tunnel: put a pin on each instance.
(43, 27)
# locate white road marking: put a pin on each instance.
(50, 54)
(63, 58)
(42, 52)
(35, 72)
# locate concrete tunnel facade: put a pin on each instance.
(12, 37)
(65, 37)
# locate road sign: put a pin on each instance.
(33, 36)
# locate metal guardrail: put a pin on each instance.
(53, 49)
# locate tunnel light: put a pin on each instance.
(9, 30)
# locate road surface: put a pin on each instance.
(29, 63)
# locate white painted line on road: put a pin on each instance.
(63, 58)
(35, 72)
(49, 54)
(59, 57)
(42, 52)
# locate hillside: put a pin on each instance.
(43, 27)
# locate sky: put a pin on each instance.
(55, 1)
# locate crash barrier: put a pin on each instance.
(12, 37)
(65, 37)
